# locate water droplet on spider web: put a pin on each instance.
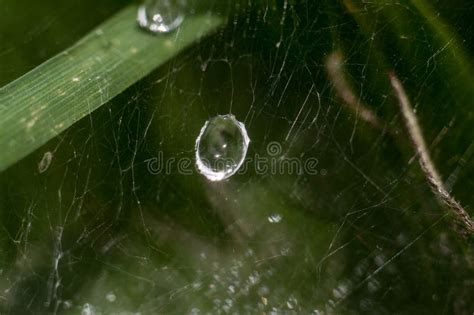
(111, 297)
(88, 309)
(221, 147)
(275, 218)
(161, 16)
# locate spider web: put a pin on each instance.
(88, 224)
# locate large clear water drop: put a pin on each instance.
(161, 16)
(221, 147)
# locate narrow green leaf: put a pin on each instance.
(448, 38)
(46, 101)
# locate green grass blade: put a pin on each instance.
(46, 101)
(448, 38)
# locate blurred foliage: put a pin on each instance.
(97, 232)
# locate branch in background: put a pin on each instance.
(462, 218)
(343, 89)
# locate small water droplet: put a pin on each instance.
(254, 278)
(67, 304)
(340, 291)
(161, 16)
(221, 147)
(275, 218)
(291, 303)
(373, 285)
(111, 297)
(195, 311)
(88, 309)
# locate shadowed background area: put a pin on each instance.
(88, 225)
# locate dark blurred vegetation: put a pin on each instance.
(98, 232)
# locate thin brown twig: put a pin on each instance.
(465, 225)
(462, 218)
(334, 68)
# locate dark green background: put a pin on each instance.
(364, 236)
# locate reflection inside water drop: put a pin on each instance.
(161, 16)
(221, 147)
